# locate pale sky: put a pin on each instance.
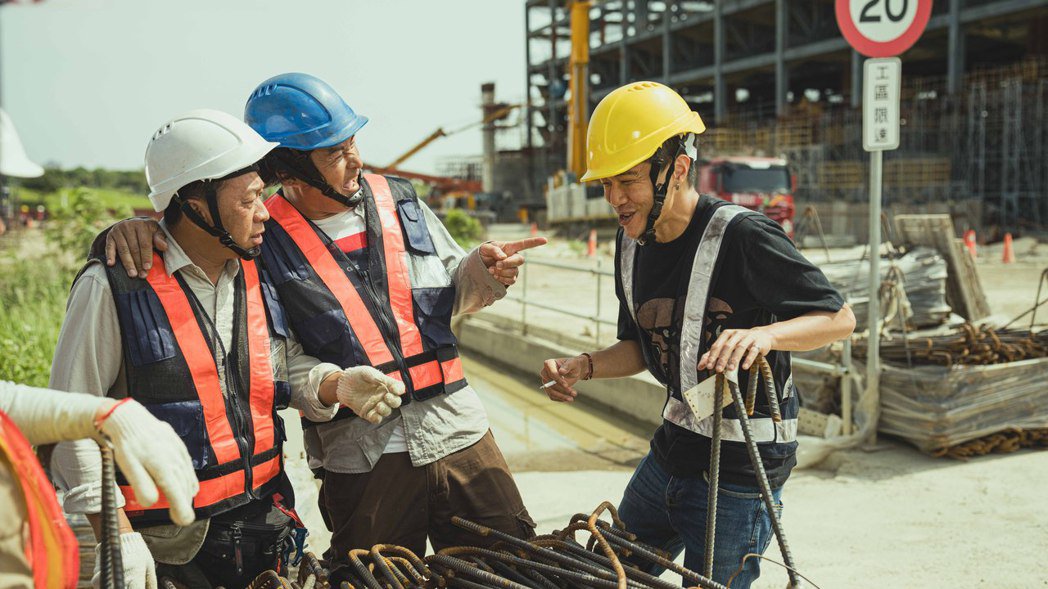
(87, 82)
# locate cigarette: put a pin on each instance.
(547, 385)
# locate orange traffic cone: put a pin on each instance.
(591, 246)
(969, 242)
(534, 229)
(1009, 253)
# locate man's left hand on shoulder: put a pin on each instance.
(503, 259)
(735, 346)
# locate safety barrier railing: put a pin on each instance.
(596, 272)
(843, 370)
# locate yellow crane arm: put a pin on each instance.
(494, 116)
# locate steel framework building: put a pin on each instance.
(776, 75)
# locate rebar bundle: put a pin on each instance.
(559, 560)
(1001, 442)
(967, 393)
(969, 346)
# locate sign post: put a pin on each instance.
(880, 29)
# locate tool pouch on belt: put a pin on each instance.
(245, 547)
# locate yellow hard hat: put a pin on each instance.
(632, 122)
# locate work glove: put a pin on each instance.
(139, 568)
(151, 455)
(369, 393)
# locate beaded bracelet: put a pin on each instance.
(589, 359)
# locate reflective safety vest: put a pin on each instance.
(394, 314)
(51, 548)
(704, 269)
(171, 364)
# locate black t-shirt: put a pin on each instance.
(761, 278)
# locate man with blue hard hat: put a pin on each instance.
(370, 278)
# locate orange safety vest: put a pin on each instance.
(51, 550)
(171, 364)
(375, 316)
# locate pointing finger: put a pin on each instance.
(524, 244)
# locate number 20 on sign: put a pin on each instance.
(882, 28)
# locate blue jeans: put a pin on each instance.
(670, 513)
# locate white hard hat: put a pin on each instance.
(202, 144)
(13, 160)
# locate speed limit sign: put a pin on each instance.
(882, 28)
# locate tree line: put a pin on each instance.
(55, 178)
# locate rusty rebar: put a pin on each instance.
(765, 486)
(569, 575)
(382, 567)
(539, 551)
(751, 387)
(541, 580)
(634, 573)
(112, 564)
(419, 565)
(408, 569)
(364, 574)
(620, 573)
(714, 469)
(460, 566)
(967, 345)
(769, 388)
(310, 567)
(269, 580)
(666, 563)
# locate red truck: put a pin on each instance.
(762, 184)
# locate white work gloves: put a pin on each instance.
(149, 450)
(369, 393)
(139, 568)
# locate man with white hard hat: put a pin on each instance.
(202, 343)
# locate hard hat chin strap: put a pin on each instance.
(299, 165)
(217, 230)
(658, 198)
(658, 161)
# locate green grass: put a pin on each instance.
(108, 198)
(36, 271)
(32, 305)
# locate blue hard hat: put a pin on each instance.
(300, 111)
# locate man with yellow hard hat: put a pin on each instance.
(704, 287)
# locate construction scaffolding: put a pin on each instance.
(987, 145)
(775, 78)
